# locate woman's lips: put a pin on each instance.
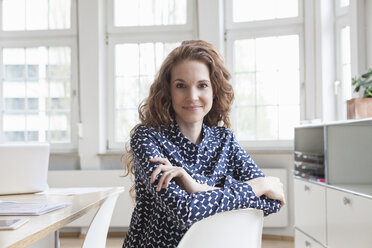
(192, 108)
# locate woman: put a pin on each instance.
(187, 163)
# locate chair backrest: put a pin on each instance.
(97, 232)
(237, 228)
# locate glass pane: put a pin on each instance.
(246, 123)
(14, 14)
(58, 104)
(59, 127)
(14, 122)
(30, 87)
(267, 123)
(288, 52)
(274, 73)
(289, 87)
(289, 117)
(244, 55)
(127, 60)
(14, 136)
(150, 12)
(32, 103)
(14, 72)
(267, 54)
(267, 88)
(145, 87)
(59, 14)
(244, 89)
(14, 104)
(147, 53)
(59, 62)
(252, 10)
(127, 92)
(345, 45)
(11, 90)
(344, 3)
(59, 88)
(124, 122)
(36, 14)
(136, 65)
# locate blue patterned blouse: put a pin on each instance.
(160, 219)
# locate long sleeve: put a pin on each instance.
(245, 170)
(183, 208)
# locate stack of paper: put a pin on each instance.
(29, 208)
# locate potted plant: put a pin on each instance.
(358, 108)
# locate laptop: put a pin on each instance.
(23, 168)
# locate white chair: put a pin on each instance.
(97, 232)
(237, 228)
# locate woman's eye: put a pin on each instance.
(180, 85)
(203, 85)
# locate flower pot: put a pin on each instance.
(359, 108)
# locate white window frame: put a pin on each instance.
(138, 34)
(349, 16)
(67, 37)
(256, 29)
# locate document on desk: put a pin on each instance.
(29, 208)
(72, 191)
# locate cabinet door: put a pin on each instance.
(304, 241)
(349, 219)
(310, 211)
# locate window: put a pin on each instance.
(140, 36)
(343, 87)
(38, 81)
(264, 52)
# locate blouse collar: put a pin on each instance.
(181, 138)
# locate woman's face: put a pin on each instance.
(191, 92)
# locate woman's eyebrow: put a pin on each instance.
(179, 79)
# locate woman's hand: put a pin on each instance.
(182, 178)
(269, 186)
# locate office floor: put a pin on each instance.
(117, 242)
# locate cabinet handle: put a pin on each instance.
(307, 188)
(346, 201)
(307, 244)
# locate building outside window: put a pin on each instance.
(264, 54)
(39, 72)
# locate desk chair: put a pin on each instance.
(97, 232)
(237, 228)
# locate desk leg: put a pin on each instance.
(56, 239)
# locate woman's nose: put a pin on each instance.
(193, 94)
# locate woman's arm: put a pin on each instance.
(247, 171)
(182, 207)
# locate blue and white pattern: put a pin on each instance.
(160, 219)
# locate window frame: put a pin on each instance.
(47, 38)
(258, 29)
(138, 34)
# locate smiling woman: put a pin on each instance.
(186, 161)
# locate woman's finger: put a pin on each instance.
(157, 170)
(169, 177)
(161, 180)
(160, 160)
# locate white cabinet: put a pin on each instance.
(335, 211)
(304, 241)
(349, 220)
(310, 209)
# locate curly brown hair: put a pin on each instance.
(156, 110)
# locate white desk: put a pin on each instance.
(40, 226)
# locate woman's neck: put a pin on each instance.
(192, 131)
